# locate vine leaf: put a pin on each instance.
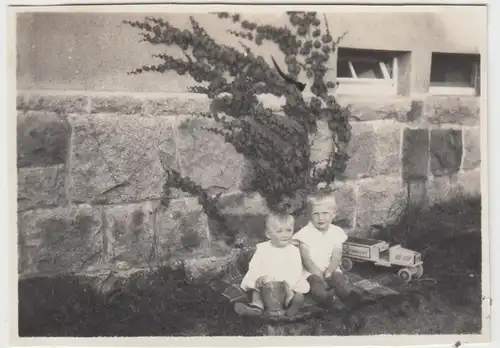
(275, 143)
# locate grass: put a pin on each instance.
(162, 303)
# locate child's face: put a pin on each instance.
(322, 215)
(280, 234)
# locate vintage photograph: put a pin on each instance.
(242, 171)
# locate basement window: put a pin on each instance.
(361, 71)
(455, 74)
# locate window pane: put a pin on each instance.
(366, 63)
(368, 69)
(452, 70)
(343, 69)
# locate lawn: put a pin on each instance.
(163, 303)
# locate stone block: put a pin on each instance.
(66, 104)
(469, 183)
(445, 151)
(345, 196)
(362, 149)
(446, 188)
(42, 139)
(376, 109)
(182, 230)
(415, 155)
(60, 240)
(40, 187)
(249, 228)
(416, 111)
(123, 105)
(380, 201)
(177, 104)
(456, 110)
(239, 203)
(388, 155)
(472, 148)
(208, 267)
(441, 189)
(321, 144)
(205, 157)
(116, 158)
(129, 234)
(417, 190)
(374, 149)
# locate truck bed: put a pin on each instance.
(362, 241)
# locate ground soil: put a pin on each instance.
(163, 303)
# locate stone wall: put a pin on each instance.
(90, 179)
(89, 136)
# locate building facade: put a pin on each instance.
(88, 134)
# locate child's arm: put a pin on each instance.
(334, 261)
(307, 262)
(254, 271)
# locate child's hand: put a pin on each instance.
(261, 281)
(327, 274)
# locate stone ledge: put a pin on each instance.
(209, 267)
(124, 105)
(447, 109)
(158, 104)
(52, 102)
(381, 108)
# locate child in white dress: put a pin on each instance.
(276, 260)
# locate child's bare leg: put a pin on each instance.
(289, 294)
(255, 308)
(346, 291)
(319, 290)
(295, 304)
(322, 294)
(339, 282)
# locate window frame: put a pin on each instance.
(373, 86)
(475, 78)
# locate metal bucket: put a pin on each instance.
(273, 296)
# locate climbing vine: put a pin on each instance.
(276, 143)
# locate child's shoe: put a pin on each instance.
(234, 293)
(247, 309)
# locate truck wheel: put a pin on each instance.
(405, 275)
(419, 271)
(346, 264)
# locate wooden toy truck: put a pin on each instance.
(382, 254)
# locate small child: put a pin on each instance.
(277, 260)
(321, 250)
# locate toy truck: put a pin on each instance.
(380, 253)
